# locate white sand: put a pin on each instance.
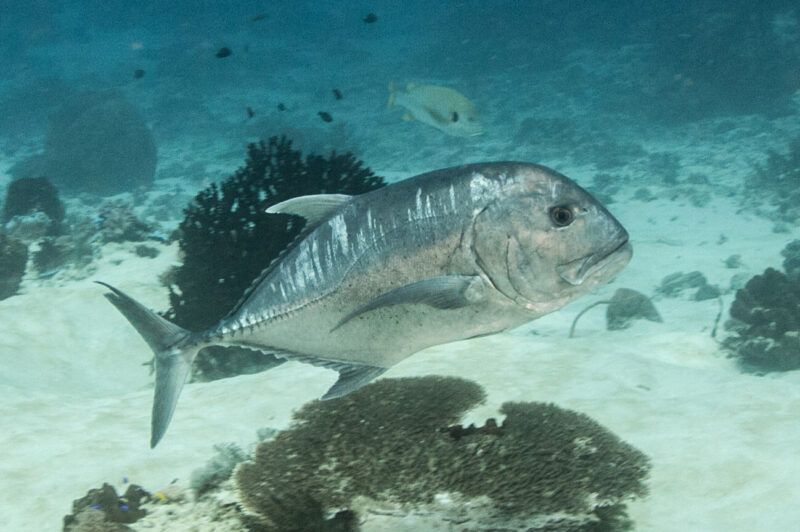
(75, 400)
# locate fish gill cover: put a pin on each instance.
(227, 238)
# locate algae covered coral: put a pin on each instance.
(392, 445)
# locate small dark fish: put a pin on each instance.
(372, 17)
(138, 73)
(223, 52)
(281, 107)
(325, 116)
(260, 16)
(337, 93)
(250, 112)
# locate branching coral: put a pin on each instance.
(218, 469)
(227, 238)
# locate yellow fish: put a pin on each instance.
(443, 108)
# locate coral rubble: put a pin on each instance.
(118, 223)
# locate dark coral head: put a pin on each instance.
(29, 195)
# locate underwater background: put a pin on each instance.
(140, 143)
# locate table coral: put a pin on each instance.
(392, 444)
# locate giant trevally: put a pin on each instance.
(443, 256)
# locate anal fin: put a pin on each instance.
(351, 378)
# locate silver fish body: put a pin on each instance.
(444, 256)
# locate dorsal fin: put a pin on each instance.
(314, 208)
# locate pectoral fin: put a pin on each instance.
(444, 292)
(314, 208)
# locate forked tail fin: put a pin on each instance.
(173, 357)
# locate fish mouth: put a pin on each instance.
(577, 271)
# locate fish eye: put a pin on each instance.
(562, 215)
(455, 116)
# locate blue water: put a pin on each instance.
(681, 117)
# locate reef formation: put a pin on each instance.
(98, 143)
(766, 322)
(393, 456)
(13, 258)
(393, 448)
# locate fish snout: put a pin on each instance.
(608, 261)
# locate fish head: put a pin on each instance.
(464, 121)
(542, 240)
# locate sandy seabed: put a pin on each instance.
(75, 399)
